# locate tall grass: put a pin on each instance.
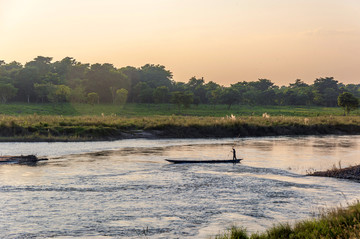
(335, 223)
(100, 127)
(148, 122)
(82, 121)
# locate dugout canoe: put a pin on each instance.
(179, 161)
(22, 159)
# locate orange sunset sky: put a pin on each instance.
(225, 41)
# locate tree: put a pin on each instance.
(188, 99)
(133, 76)
(353, 89)
(43, 90)
(348, 102)
(25, 80)
(213, 96)
(121, 96)
(229, 96)
(77, 95)
(9, 71)
(330, 97)
(298, 83)
(327, 91)
(266, 97)
(92, 98)
(59, 93)
(213, 91)
(105, 79)
(7, 91)
(161, 94)
(144, 93)
(65, 69)
(182, 99)
(197, 87)
(42, 64)
(155, 75)
(262, 84)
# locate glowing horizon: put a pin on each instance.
(223, 41)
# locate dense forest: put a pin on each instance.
(68, 80)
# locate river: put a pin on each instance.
(125, 189)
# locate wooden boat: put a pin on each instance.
(178, 161)
(22, 159)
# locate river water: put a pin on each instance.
(125, 189)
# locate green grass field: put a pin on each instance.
(167, 109)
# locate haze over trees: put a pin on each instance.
(42, 80)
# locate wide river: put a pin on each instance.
(125, 189)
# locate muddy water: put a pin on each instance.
(125, 189)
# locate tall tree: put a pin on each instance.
(348, 102)
(161, 94)
(71, 72)
(25, 80)
(182, 99)
(156, 75)
(43, 90)
(144, 93)
(133, 76)
(92, 98)
(77, 95)
(8, 72)
(7, 91)
(298, 83)
(42, 64)
(229, 96)
(213, 91)
(121, 96)
(197, 87)
(327, 90)
(105, 79)
(261, 84)
(59, 94)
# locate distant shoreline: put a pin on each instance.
(189, 132)
(52, 128)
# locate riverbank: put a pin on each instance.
(351, 173)
(336, 223)
(92, 128)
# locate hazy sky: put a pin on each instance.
(225, 41)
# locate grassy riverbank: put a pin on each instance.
(75, 122)
(336, 223)
(58, 128)
(351, 173)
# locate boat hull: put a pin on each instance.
(181, 161)
(22, 159)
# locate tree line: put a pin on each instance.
(42, 80)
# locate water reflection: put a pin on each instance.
(127, 189)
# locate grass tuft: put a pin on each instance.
(234, 233)
(335, 223)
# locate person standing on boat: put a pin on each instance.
(234, 154)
